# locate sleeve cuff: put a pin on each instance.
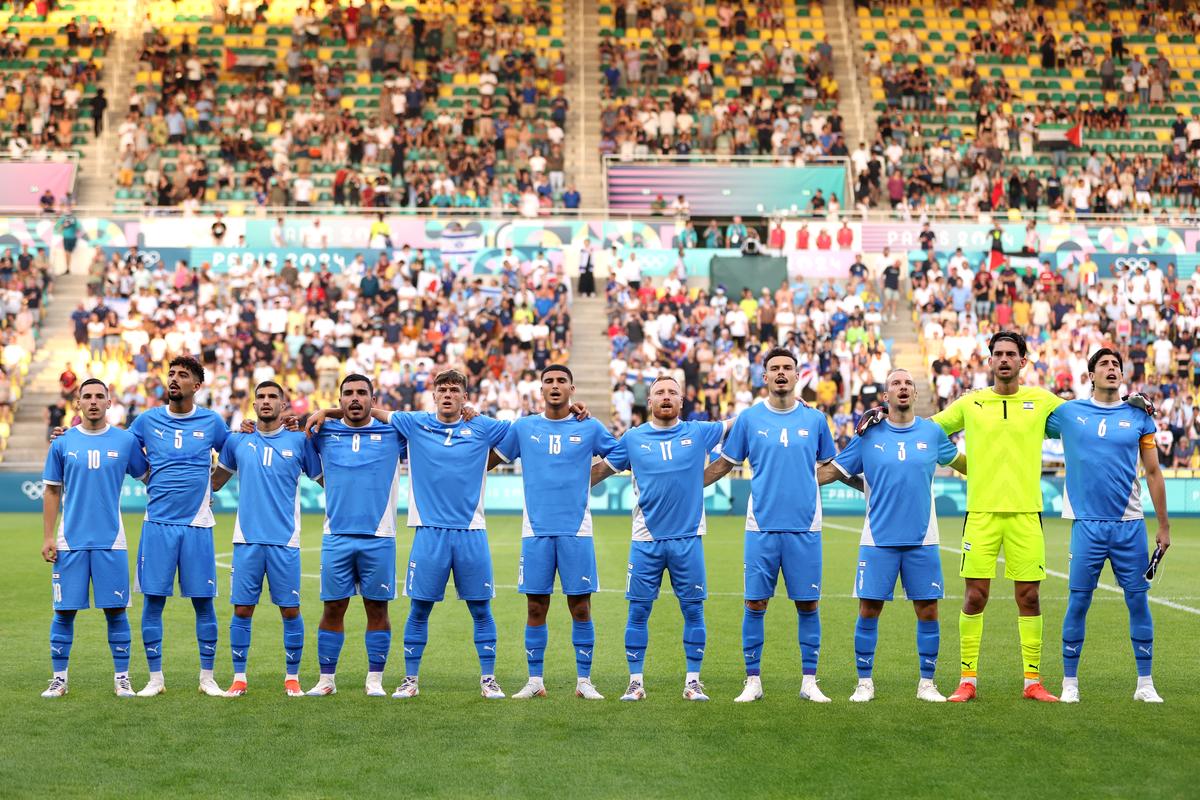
(226, 467)
(49, 482)
(612, 466)
(839, 468)
(731, 459)
(501, 455)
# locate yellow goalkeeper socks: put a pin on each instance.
(1030, 629)
(970, 633)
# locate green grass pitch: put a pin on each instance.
(450, 742)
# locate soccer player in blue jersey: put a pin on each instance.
(266, 532)
(897, 460)
(179, 439)
(556, 451)
(1101, 440)
(784, 440)
(451, 531)
(360, 464)
(85, 468)
(448, 458)
(667, 456)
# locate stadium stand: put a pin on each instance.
(1072, 107)
(718, 78)
(51, 59)
(397, 321)
(448, 106)
(25, 286)
(712, 343)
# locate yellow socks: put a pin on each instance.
(1030, 629)
(970, 633)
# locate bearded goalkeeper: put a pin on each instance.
(1004, 426)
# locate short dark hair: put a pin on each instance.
(452, 377)
(558, 368)
(271, 385)
(779, 352)
(354, 377)
(96, 381)
(192, 365)
(1101, 353)
(1011, 336)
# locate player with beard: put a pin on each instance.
(667, 456)
(897, 460)
(785, 441)
(556, 451)
(266, 533)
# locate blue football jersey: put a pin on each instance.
(179, 449)
(556, 471)
(269, 466)
(362, 477)
(447, 468)
(668, 476)
(784, 448)
(1101, 444)
(91, 468)
(897, 465)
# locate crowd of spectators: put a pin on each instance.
(364, 123)
(928, 157)
(400, 320)
(1150, 314)
(679, 92)
(712, 342)
(43, 98)
(25, 285)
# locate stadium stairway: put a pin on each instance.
(852, 102)
(583, 86)
(27, 445)
(590, 360)
(100, 158)
(850, 69)
(908, 354)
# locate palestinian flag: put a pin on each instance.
(1060, 137)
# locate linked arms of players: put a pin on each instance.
(828, 473)
(1158, 495)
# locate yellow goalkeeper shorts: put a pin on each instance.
(1020, 534)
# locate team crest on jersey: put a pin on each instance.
(862, 563)
(1123, 423)
(803, 432)
(465, 432)
(575, 439)
(685, 442)
(197, 434)
(1027, 405)
(922, 446)
(375, 437)
(285, 453)
(113, 454)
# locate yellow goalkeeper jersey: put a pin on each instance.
(1004, 446)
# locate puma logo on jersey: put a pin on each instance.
(762, 433)
(73, 454)
(337, 437)
(880, 448)
(159, 432)
(537, 438)
(646, 447)
(252, 445)
(976, 402)
(1082, 420)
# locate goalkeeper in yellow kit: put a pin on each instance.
(1004, 426)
